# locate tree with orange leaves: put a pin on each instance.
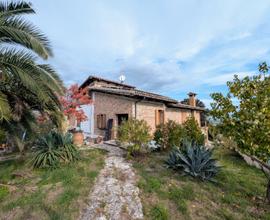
(73, 100)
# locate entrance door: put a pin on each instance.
(121, 118)
(108, 132)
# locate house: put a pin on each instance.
(114, 102)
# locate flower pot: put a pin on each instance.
(78, 138)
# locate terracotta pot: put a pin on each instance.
(78, 138)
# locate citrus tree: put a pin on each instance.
(244, 113)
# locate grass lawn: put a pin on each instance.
(238, 194)
(47, 194)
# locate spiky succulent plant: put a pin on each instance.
(193, 160)
(54, 148)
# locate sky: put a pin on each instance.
(167, 47)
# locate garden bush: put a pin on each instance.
(192, 131)
(53, 149)
(169, 135)
(172, 134)
(193, 160)
(135, 134)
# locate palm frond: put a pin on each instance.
(20, 66)
(57, 83)
(15, 8)
(5, 111)
(19, 31)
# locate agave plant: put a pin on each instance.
(53, 149)
(193, 160)
(174, 160)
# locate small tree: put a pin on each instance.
(193, 132)
(244, 114)
(72, 101)
(135, 133)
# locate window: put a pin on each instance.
(101, 121)
(159, 117)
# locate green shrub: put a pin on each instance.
(193, 132)
(169, 135)
(159, 212)
(193, 160)
(161, 136)
(3, 192)
(54, 148)
(134, 133)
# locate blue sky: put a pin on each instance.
(168, 47)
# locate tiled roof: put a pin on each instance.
(134, 93)
(184, 106)
(94, 78)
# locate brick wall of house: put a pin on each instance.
(186, 114)
(110, 105)
(197, 116)
(181, 115)
(146, 111)
(174, 114)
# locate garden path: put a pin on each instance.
(115, 195)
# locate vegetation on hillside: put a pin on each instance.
(239, 191)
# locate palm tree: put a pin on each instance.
(25, 86)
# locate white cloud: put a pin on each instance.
(162, 46)
(221, 79)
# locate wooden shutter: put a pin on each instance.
(101, 121)
(161, 117)
(156, 117)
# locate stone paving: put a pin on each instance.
(115, 195)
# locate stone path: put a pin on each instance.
(115, 195)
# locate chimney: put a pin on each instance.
(192, 99)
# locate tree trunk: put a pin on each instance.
(268, 191)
